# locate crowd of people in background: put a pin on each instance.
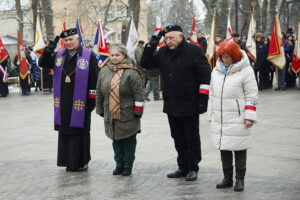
(263, 69)
(42, 79)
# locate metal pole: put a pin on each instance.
(236, 17)
(288, 16)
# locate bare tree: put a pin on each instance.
(47, 14)
(34, 6)
(264, 16)
(134, 6)
(20, 16)
(273, 4)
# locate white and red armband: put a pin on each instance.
(250, 105)
(138, 106)
(204, 89)
(92, 94)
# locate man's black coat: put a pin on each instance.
(182, 71)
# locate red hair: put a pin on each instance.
(232, 49)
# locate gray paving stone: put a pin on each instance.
(28, 148)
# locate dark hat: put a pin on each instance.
(171, 28)
(235, 35)
(141, 42)
(69, 32)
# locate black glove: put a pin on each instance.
(52, 44)
(203, 100)
(137, 114)
(155, 39)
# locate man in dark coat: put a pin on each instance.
(236, 39)
(186, 76)
(3, 77)
(75, 77)
(259, 66)
(202, 41)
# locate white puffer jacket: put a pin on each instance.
(232, 99)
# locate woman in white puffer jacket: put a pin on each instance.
(232, 110)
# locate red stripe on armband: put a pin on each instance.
(250, 105)
(204, 89)
(250, 108)
(92, 94)
(139, 106)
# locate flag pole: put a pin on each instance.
(277, 83)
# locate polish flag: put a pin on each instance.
(39, 44)
(229, 29)
(210, 51)
(158, 28)
(251, 44)
(276, 52)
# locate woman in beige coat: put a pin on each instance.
(232, 110)
(120, 100)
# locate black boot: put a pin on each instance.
(118, 171)
(239, 183)
(126, 171)
(177, 174)
(227, 180)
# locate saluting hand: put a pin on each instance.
(52, 44)
(155, 39)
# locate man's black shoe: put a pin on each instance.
(191, 176)
(126, 171)
(177, 174)
(118, 171)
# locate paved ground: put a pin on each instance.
(28, 148)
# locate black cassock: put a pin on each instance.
(73, 143)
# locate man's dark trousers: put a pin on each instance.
(185, 132)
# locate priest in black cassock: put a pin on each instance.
(75, 76)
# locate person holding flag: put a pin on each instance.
(75, 77)
(4, 61)
(276, 54)
(22, 61)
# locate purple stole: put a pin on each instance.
(80, 90)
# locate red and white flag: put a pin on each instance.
(193, 34)
(296, 55)
(39, 43)
(4, 73)
(158, 28)
(210, 51)
(3, 52)
(101, 47)
(64, 27)
(276, 52)
(229, 29)
(251, 44)
(22, 58)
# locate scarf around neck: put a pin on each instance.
(114, 98)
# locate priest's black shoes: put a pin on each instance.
(118, 171)
(191, 176)
(80, 169)
(177, 174)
